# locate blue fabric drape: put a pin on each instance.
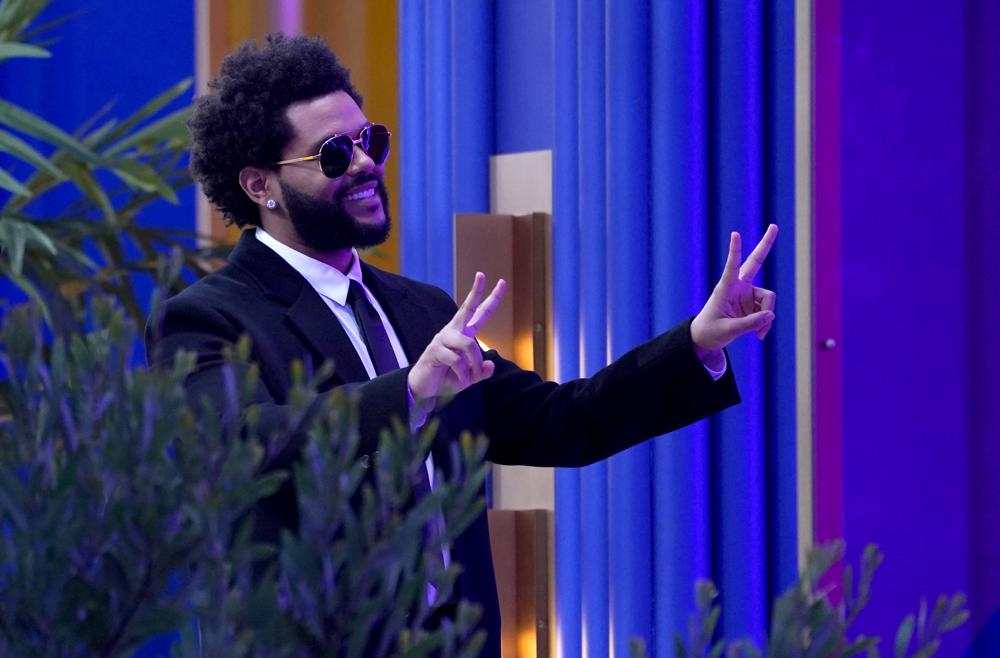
(671, 125)
(446, 98)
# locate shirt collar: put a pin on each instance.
(326, 280)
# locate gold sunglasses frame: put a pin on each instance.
(356, 142)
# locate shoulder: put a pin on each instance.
(227, 287)
(217, 303)
(427, 294)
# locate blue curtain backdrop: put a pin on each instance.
(107, 51)
(671, 124)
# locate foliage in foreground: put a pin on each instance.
(806, 624)
(126, 513)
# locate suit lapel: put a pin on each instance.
(307, 314)
(409, 317)
(314, 320)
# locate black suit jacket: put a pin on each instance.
(657, 387)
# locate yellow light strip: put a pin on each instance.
(803, 271)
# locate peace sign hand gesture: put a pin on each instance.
(736, 306)
(453, 361)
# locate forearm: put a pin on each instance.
(656, 388)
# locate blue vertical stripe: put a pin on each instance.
(438, 158)
(566, 318)
(779, 275)
(594, 313)
(630, 541)
(739, 456)
(413, 141)
(472, 105)
(681, 499)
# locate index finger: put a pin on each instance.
(485, 309)
(732, 269)
(471, 302)
(756, 258)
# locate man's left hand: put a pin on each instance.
(736, 306)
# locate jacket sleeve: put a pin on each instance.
(195, 326)
(653, 389)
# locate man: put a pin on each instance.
(282, 145)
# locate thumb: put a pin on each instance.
(753, 322)
(488, 368)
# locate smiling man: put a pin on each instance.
(282, 147)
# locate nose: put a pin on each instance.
(361, 162)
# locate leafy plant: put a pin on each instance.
(806, 624)
(126, 512)
(118, 167)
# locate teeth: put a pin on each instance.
(363, 194)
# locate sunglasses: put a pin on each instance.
(336, 153)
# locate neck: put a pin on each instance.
(340, 259)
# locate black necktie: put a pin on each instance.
(383, 356)
(372, 330)
(384, 359)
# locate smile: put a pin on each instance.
(361, 194)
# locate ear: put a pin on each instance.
(254, 181)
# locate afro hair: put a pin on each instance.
(242, 122)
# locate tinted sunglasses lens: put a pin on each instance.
(335, 156)
(376, 141)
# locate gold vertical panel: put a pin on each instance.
(485, 243)
(514, 248)
(803, 271)
(363, 34)
(522, 559)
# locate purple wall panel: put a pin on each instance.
(905, 259)
(983, 180)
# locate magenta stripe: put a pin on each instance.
(828, 391)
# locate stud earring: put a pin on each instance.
(271, 204)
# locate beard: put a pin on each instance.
(328, 226)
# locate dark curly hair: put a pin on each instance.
(242, 122)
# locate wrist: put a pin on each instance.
(713, 358)
(416, 400)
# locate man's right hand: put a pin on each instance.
(453, 360)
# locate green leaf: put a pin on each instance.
(16, 235)
(171, 127)
(636, 648)
(9, 50)
(28, 123)
(955, 621)
(16, 15)
(143, 113)
(903, 636)
(38, 30)
(140, 175)
(862, 643)
(19, 148)
(11, 184)
(84, 179)
(929, 650)
(679, 650)
(30, 289)
(922, 621)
